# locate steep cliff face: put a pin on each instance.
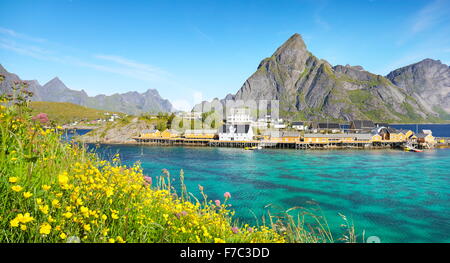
(428, 81)
(56, 91)
(310, 88)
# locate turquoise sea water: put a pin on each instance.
(395, 195)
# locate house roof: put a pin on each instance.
(201, 131)
(297, 123)
(402, 131)
(272, 133)
(326, 125)
(290, 134)
(173, 131)
(362, 124)
(149, 131)
(362, 136)
(421, 135)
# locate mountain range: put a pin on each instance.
(309, 88)
(56, 91)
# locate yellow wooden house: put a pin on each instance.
(376, 138)
(167, 134)
(426, 138)
(150, 134)
(282, 136)
(200, 134)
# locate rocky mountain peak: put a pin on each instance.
(428, 81)
(292, 51)
(55, 85)
(2, 69)
(55, 82)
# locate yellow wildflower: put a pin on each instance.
(14, 222)
(13, 179)
(55, 203)
(84, 210)
(50, 219)
(63, 178)
(17, 188)
(39, 201)
(120, 239)
(23, 227)
(87, 227)
(46, 187)
(24, 218)
(45, 229)
(218, 240)
(27, 194)
(111, 240)
(63, 235)
(44, 209)
(67, 215)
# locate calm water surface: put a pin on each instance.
(397, 196)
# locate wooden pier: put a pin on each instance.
(270, 144)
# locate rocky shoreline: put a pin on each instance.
(115, 133)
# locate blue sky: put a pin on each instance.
(191, 50)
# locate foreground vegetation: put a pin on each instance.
(52, 191)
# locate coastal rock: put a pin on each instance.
(116, 133)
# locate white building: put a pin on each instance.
(239, 115)
(279, 126)
(299, 125)
(236, 132)
(194, 115)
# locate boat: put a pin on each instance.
(408, 148)
(253, 148)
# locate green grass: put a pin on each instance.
(65, 112)
(442, 113)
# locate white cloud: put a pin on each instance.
(12, 33)
(432, 14)
(17, 42)
(197, 96)
(187, 104)
(182, 105)
(435, 13)
(27, 50)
